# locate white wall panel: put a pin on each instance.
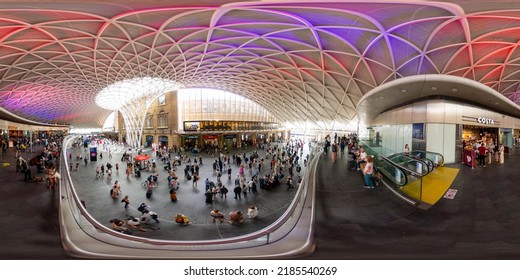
(419, 112)
(449, 143)
(435, 111)
(440, 138)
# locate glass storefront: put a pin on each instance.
(210, 141)
(472, 134)
(230, 140)
(190, 141)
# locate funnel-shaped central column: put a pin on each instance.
(133, 99)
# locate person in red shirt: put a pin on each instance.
(482, 155)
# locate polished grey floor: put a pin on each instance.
(482, 222)
(96, 194)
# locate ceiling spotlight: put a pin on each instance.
(403, 90)
(434, 88)
(454, 89)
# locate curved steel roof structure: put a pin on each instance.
(303, 60)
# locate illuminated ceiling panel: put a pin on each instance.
(301, 60)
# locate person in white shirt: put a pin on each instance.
(252, 212)
(362, 157)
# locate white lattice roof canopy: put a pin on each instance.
(302, 61)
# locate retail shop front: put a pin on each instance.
(210, 141)
(476, 134)
(448, 127)
(190, 141)
(246, 139)
(230, 140)
(435, 115)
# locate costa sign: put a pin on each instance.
(485, 120)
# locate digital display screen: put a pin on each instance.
(191, 126)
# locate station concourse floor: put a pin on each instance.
(191, 199)
(481, 222)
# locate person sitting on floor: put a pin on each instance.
(217, 215)
(236, 216)
(119, 226)
(182, 219)
(252, 212)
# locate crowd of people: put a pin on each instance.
(249, 173)
(486, 151)
(44, 160)
(358, 157)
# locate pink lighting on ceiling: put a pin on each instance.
(54, 61)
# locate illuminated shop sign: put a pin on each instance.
(485, 120)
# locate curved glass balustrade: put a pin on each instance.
(404, 173)
(391, 171)
(83, 236)
(414, 165)
(437, 159)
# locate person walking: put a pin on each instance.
(289, 183)
(334, 151)
(173, 195)
(209, 197)
(126, 201)
(501, 150)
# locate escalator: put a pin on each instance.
(427, 178)
(420, 166)
(437, 159)
(418, 177)
(391, 171)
